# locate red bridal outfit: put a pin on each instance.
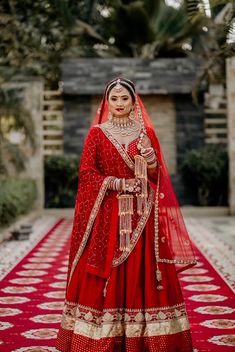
(124, 300)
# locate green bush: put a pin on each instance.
(61, 180)
(16, 197)
(205, 175)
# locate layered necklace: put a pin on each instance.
(123, 126)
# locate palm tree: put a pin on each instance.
(151, 28)
(42, 33)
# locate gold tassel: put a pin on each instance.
(125, 211)
(159, 278)
(142, 175)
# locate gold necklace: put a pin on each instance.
(122, 126)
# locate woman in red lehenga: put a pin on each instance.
(128, 241)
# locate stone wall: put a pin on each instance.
(77, 116)
(161, 76)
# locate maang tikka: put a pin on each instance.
(118, 87)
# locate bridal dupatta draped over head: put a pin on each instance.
(169, 226)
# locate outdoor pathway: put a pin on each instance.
(33, 275)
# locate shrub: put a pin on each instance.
(16, 197)
(205, 174)
(61, 179)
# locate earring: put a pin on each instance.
(132, 114)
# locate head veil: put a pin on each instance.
(169, 223)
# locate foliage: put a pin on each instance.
(14, 117)
(30, 38)
(150, 29)
(205, 173)
(61, 180)
(35, 36)
(16, 197)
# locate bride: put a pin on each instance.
(129, 240)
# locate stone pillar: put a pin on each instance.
(230, 67)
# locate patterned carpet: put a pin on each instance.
(33, 277)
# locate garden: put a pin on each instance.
(35, 39)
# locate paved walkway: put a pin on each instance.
(211, 281)
(221, 227)
(215, 236)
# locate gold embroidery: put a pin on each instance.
(156, 309)
(156, 328)
(68, 316)
(176, 261)
(156, 245)
(96, 324)
(90, 222)
(136, 233)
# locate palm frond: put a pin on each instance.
(11, 155)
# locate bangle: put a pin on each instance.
(123, 185)
(150, 157)
(152, 165)
(115, 184)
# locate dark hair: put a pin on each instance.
(126, 83)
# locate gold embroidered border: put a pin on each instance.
(176, 261)
(69, 305)
(156, 218)
(173, 326)
(96, 324)
(90, 222)
(119, 147)
(137, 232)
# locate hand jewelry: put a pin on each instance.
(134, 188)
(140, 145)
(147, 152)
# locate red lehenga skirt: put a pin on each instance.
(126, 312)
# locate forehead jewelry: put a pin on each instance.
(118, 87)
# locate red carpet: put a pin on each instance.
(32, 296)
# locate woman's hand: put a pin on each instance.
(144, 142)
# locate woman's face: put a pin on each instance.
(120, 102)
